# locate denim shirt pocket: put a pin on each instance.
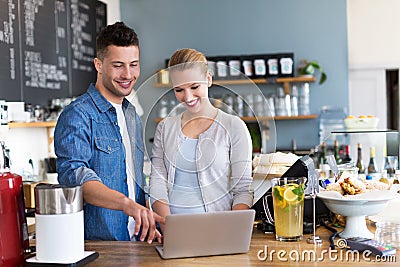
(108, 160)
(107, 145)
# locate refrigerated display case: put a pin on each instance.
(381, 139)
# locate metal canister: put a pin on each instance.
(59, 223)
(58, 199)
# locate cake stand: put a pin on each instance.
(355, 208)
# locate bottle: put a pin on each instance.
(259, 105)
(384, 175)
(172, 108)
(250, 105)
(229, 103)
(280, 105)
(360, 163)
(294, 101)
(387, 165)
(294, 146)
(372, 164)
(163, 111)
(336, 152)
(239, 106)
(304, 99)
(314, 156)
(347, 158)
(341, 155)
(396, 177)
(322, 155)
(385, 178)
(288, 104)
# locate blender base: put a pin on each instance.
(88, 257)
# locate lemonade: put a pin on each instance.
(288, 201)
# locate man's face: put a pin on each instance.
(118, 72)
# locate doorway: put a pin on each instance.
(392, 98)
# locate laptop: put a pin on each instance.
(207, 234)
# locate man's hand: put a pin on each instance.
(96, 193)
(145, 219)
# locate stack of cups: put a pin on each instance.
(304, 99)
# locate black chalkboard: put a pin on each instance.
(47, 48)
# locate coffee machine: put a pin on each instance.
(13, 227)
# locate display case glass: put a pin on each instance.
(383, 140)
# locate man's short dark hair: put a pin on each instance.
(117, 34)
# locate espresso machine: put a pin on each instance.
(13, 227)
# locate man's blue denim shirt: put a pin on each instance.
(88, 145)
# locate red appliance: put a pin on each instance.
(13, 227)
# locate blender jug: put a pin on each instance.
(13, 227)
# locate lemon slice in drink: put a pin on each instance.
(279, 201)
(289, 195)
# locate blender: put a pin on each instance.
(13, 227)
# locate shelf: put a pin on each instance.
(281, 118)
(36, 124)
(364, 131)
(276, 118)
(301, 79)
(286, 82)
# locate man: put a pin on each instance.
(99, 145)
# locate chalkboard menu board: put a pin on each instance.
(47, 48)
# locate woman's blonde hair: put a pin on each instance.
(187, 58)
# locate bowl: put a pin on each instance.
(355, 208)
(363, 123)
(390, 212)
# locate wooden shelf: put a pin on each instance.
(286, 81)
(280, 118)
(277, 118)
(301, 79)
(234, 82)
(36, 124)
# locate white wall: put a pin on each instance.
(25, 144)
(373, 36)
(113, 11)
(373, 47)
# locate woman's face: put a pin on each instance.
(191, 88)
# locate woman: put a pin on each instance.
(201, 159)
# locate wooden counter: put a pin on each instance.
(143, 254)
